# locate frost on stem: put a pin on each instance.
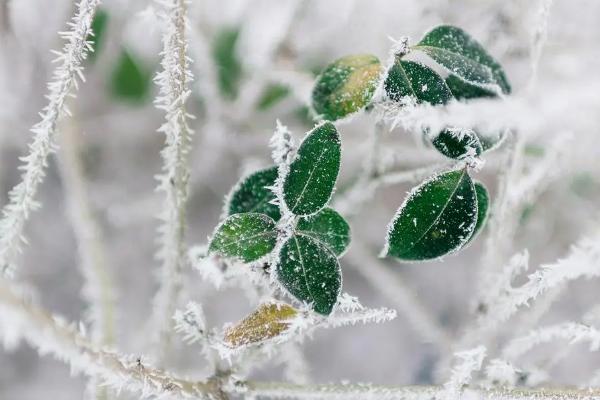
(68, 343)
(65, 77)
(468, 362)
(570, 331)
(173, 82)
(283, 151)
(583, 261)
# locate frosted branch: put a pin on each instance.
(277, 390)
(390, 285)
(570, 331)
(581, 262)
(65, 77)
(468, 362)
(51, 335)
(98, 286)
(173, 82)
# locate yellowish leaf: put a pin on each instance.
(268, 321)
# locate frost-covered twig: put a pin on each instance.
(51, 336)
(279, 390)
(571, 331)
(173, 82)
(390, 285)
(583, 261)
(538, 39)
(469, 361)
(350, 202)
(65, 78)
(513, 112)
(98, 287)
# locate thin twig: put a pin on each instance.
(173, 81)
(65, 78)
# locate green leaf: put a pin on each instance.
(436, 218)
(268, 321)
(252, 194)
(310, 271)
(462, 55)
(229, 67)
(457, 143)
(464, 91)
(247, 236)
(410, 78)
(130, 81)
(328, 227)
(99, 24)
(346, 86)
(309, 184)
(271, 95)
(483, 206)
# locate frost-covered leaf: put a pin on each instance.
(253, 194)
(229, 67)
(271, 95)
(346, 86)
(309, 184)
(436, 218)
(410, 78)
(247, 236)
(268, 321)
(130, 80)
(328, 227)
(483, 206)
(310, 271)
(462, 90)
(457, 143)
(96, 40)
(462, 55)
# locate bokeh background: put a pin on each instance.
(254, 62)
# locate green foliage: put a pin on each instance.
(272, 95)
(229, 67)
(462, 55)
(253, 194)
(346, 86)
(247, 237)
(410, 78)
(437, 218)
(130, 80)
(310, 271)
(328, 227)
(309, 184)
(96, 40)
(457, 143)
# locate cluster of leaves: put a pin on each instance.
(278, 217)
(445, 212)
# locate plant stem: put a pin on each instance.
(173, 81)
(98, 286)
(22, 197)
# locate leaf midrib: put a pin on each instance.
(226, 245)
(438, 216)
(322, 152)
(301, 259)
(486, 67)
